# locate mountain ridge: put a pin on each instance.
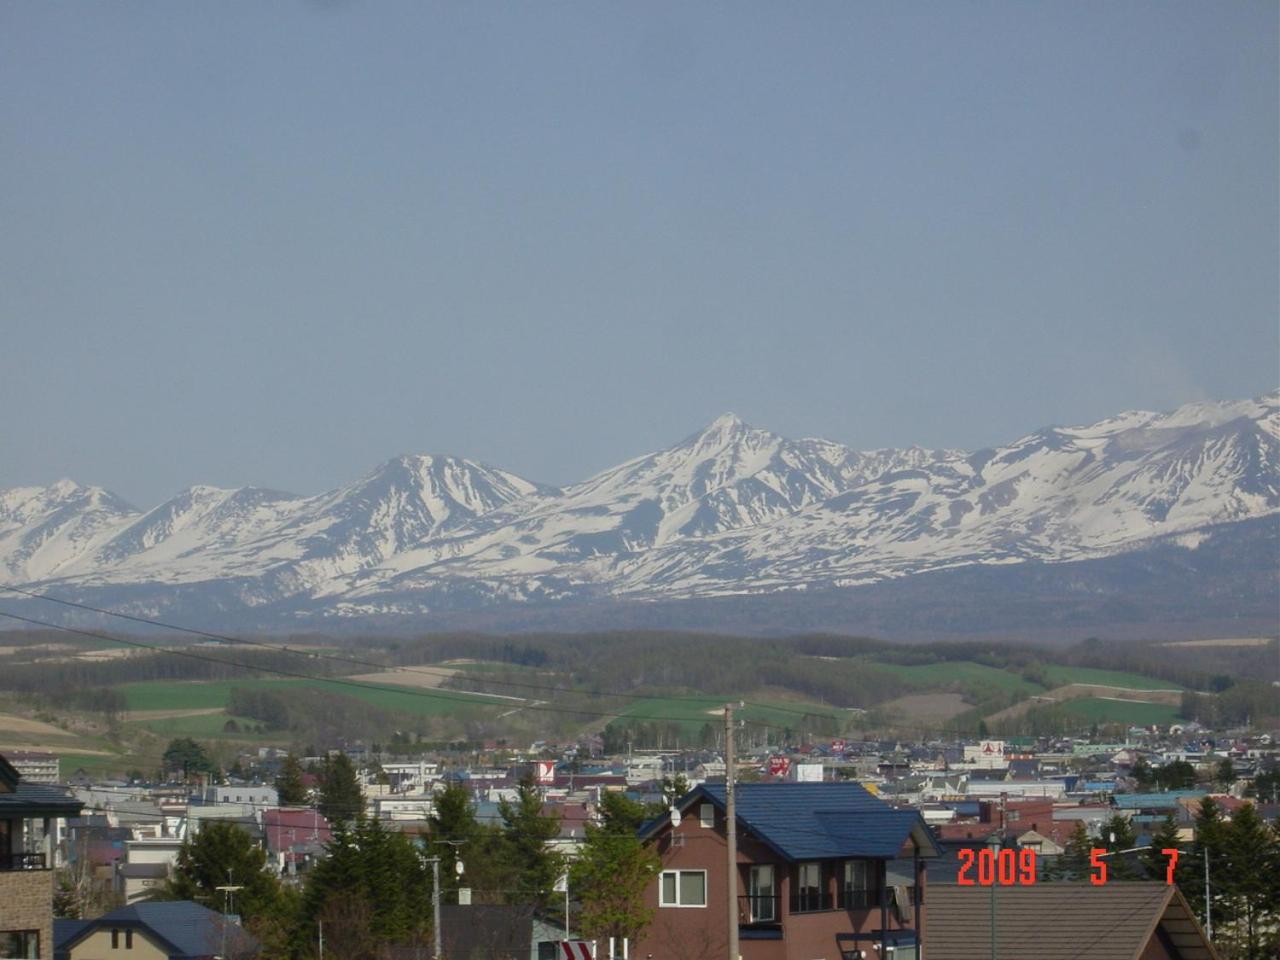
(731, 509)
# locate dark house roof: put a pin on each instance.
(1112, 922)
(816, 821)
(38, 800)
(185, 930)
(485, 930)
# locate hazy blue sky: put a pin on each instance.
(276, 243)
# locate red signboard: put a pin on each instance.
(779, 766)
(838, 746)
(575, 949)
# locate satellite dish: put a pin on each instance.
(675, 817)
(457, 867)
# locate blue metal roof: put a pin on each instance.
(1153, 801)
(818, 821)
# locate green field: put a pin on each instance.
(1097, 710)
(161, 695)
(965, 674)
(1059, 676)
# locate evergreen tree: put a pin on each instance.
(1156, 862)
(290, 785)
(525, 832)
(1176, 775)
(186, 757)
(1224, 773)
(1142, 774)
(1210, 843)
(222, 854)
(455, 836)
(374, 884)
(1117, 835)
(622, 815)
(341, 799)
(1073, 863)
(1250, 882)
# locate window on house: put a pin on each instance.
(707, 815)
(858, 889)
(115, 939)
(682, 888)
(128, 939)
(811, 889)
(20, 944)
(762, 894)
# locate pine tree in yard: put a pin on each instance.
(1250, 882)
(526, 831)
(375, 882)
(341, 799)
(1117, 835)
(454, 831)
(1210, 842)
(222, 854)
(1156, 862)
(1073, 862)
(290, 786)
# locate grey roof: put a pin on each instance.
(1111, 922)
(186, 930)
(38, 800)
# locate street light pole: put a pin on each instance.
(435, 907)
(731, 831)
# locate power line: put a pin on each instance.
(438, 695)
(356, 661)
(815, 714)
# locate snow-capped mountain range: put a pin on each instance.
(732, 509)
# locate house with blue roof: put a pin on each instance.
(161, 930)
(824, 871)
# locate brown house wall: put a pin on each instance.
(26, 903)
(1155, 950)
(701, 933)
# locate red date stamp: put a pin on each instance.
(1008, 868)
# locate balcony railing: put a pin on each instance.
(874, 898)
(21, 861)
(809, 900)
(759, 908)
(849, 899)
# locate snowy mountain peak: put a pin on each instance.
(728, 509)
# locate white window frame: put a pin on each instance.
(662, 902)
(707, 815)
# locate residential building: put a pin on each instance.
(29, 813)
(824, 871)
(250, 794)
(176, 930)
(34, 766)
(295, 839)
(146, 865)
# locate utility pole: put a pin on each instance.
(435, 907)
(1208, 901)
(731, 831)
(320, 933)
